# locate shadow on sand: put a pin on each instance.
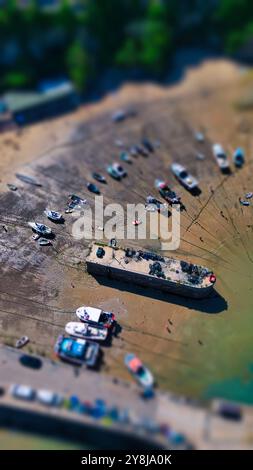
(212, 304)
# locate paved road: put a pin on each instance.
(203, 429)
(67, 380)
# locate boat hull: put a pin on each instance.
(145, 280)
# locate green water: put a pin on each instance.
(16, 440)
(222, 364)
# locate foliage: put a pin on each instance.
(80, 43)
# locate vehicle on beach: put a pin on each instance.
(22, 392)
(140, 372)
(170, 196)
(221, 157)
(39, 228)
(77, 351)
(238, 157)
(185, 178)
(86, 331)
(20, 343)
(53, 215)
(98, 177)
(96, 316)
(93, 188)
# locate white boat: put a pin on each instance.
(220, 157)
(95, 316)
(86, 331)
(53, 215)
(41, 229)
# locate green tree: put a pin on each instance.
(78, 65)
(148, 41)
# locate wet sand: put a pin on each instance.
(194, 347)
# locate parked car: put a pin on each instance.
(98, 177)
(46, 397)
(139, 371)
(96, 316)
(238, 157)
(23, 392)
(30, 361)
(229, 410)
(93, 188)
(86, 331)
(185, 178)
(220, 157)
(77, 351)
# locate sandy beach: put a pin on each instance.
(195, 347)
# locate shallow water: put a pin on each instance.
(221, 363)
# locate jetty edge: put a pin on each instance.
(149, 269)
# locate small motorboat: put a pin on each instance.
(139, 371)
(238, 157)
(124, 156)
(44, 242)
(166, 192)
(41, 229)
(96, 316)
(86, 331)
(93, 188)
(244, 203)
(221, 157)
(113, 173)
(98, 177)
(53, 215)
(199, 136)
(22, 342)
(74, 202)
(148, 145)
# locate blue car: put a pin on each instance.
(77, 351)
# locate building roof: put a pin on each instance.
(18, 101)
